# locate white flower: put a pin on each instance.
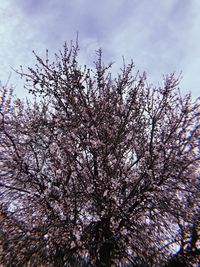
(62, 216)
(63, 77)
(58, 172)
(105, 193)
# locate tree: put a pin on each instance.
(96, 170)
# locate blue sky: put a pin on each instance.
(160, 36)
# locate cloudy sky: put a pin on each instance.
(160, 36)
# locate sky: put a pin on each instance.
(160, 37)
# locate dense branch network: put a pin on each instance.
(97, 170)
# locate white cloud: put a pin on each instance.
(191, 59)
(160, 36)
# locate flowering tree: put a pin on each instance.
(96, 170)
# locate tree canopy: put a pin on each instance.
(98, 170)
